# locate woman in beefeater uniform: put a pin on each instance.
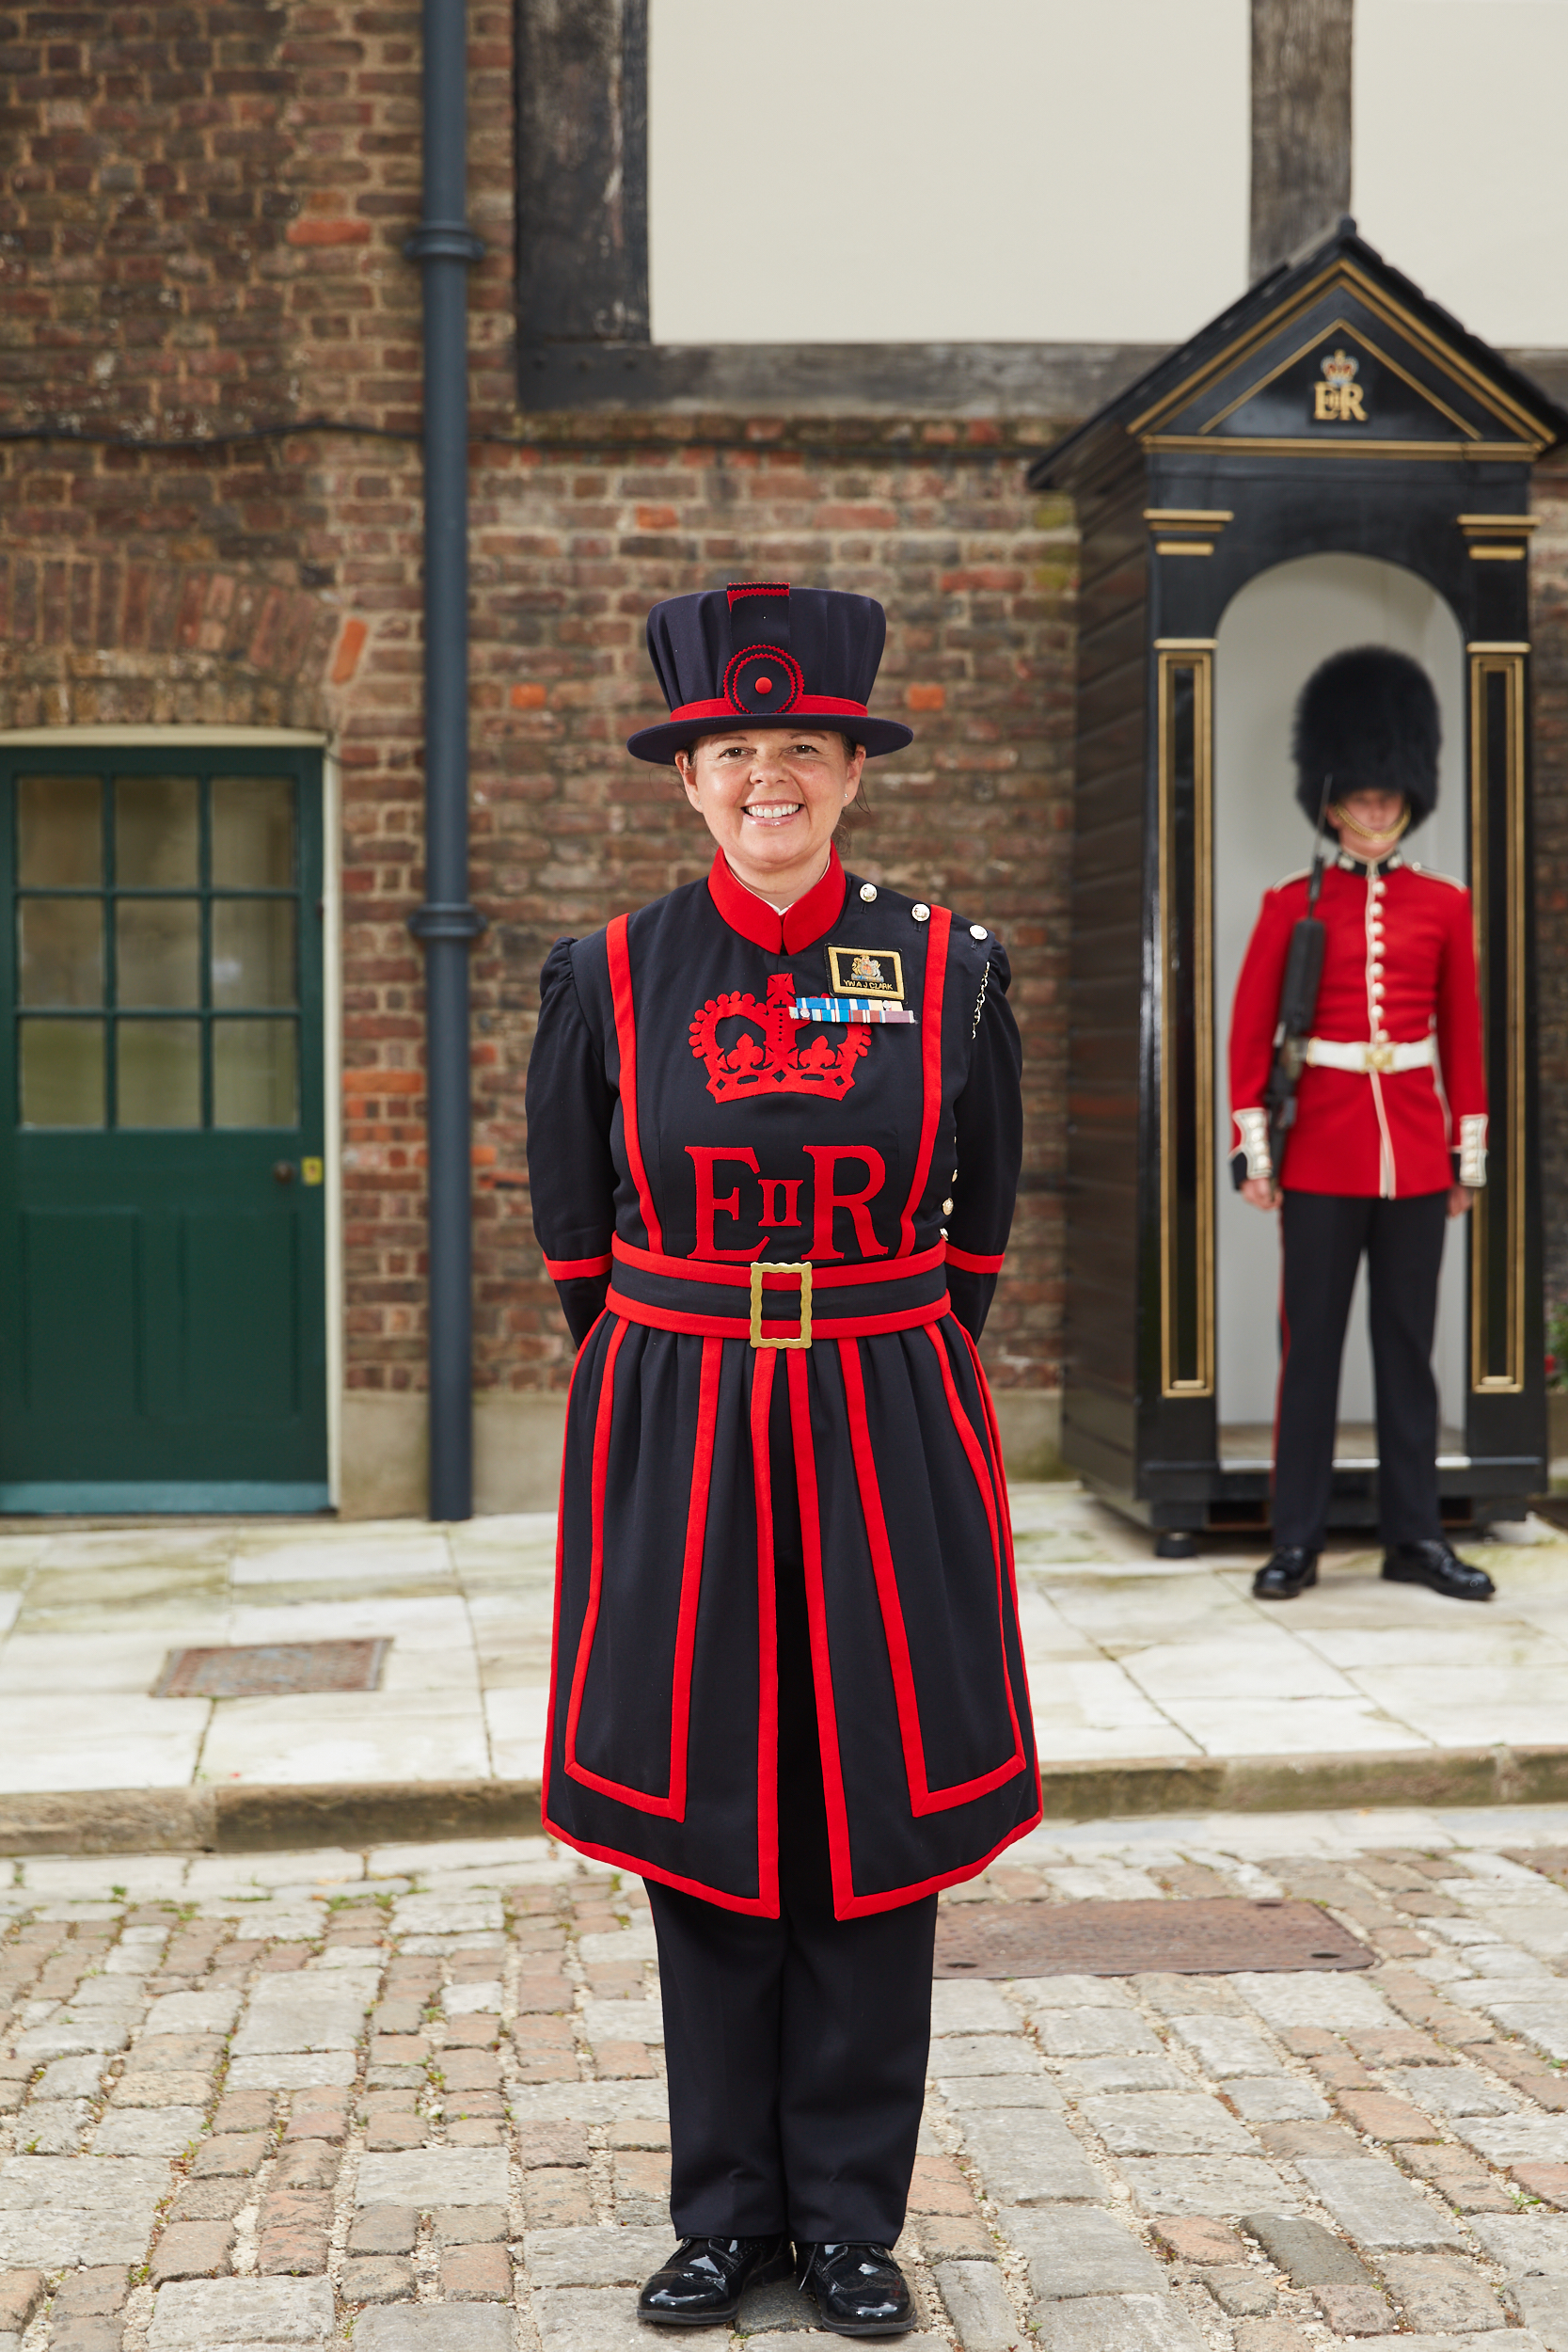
(774, 1134)
(1389, 1139)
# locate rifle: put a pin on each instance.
(1298, 1003)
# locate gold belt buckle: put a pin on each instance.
(788, 1265)
(1378, 1058)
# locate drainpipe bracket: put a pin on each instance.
(444, 241)
(435, 921)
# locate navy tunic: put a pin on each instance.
(698, 1117)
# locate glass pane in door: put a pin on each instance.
(255, 1078)
(59, 830)
(60, 951)
(62, 1074)
(253, 951)
(159, 1073)
(157, 832)
(158, 951)
(253, 833)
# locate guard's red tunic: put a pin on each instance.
(1399, 966)
(684, 1124)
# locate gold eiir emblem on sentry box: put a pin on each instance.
(865, 972)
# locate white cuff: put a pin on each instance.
(1252, 1136)
(1472, 1151)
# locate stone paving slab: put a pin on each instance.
(471, 2161)
(1137, 1665)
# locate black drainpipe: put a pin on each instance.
(444, 245)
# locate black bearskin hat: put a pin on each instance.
(1368, 719)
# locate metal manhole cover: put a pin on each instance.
(1205, 1938)
(268, 1670)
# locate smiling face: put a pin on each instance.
(771, 798)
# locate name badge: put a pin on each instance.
(866, 972)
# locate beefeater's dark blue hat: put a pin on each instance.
(761, 650)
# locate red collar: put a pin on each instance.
(809, 919)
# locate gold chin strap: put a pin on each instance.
(1385, 840)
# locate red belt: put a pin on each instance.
(833, 1301)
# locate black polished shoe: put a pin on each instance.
(860, 2290)
(1291, 1570)
(1437, 1567)
(702, 2283)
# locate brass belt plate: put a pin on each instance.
(788, 1265)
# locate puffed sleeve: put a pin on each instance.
(571, 1172)
(989, 1118)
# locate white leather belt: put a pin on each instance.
(1332, 1053)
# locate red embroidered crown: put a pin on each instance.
(769, 1064)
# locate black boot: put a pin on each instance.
(860, 2290)
(1289, 1571)
(702, 2283)
(1442, 1570)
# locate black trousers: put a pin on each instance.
(795, 2047)
(1324, 1235)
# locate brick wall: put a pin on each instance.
(202, 235)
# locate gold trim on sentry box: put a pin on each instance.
(1509, 664)
(1200, 660)
(1500, 404)
(1358, 335)
(1473, 452)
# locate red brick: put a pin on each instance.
(1549, 2182)
(1380, 2116)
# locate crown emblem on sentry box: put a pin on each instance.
(1340, 368)
(750, 1064)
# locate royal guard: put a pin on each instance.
(1389, 1135)
(774, 1134)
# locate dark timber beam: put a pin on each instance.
(1301, 123)
(582, 171)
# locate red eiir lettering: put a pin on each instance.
(774, 1217)
(712, 1205)
(826, 1197)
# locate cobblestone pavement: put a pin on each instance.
(415, 2096)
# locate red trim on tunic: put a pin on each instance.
(930, 1066)
(739, 1326)
(982, 1470)
(559, 1564)
(1006, 1518)
(672, 1806)
(972, 1262)
(576, 1269)
(923, 1797)
(625, 1037)
(752, 1905)
(821, 1658)
(865, 1906)
(739, 1276)
(767, 1641)
(798, 927)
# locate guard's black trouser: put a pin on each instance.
(1324, 1236)
(795, 2047)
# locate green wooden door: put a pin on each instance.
(163, 1335)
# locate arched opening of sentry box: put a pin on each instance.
(1273, 633)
